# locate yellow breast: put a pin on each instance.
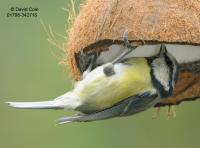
(98, 91)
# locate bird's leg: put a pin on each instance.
(129, 48)
(109, 68)
(171, 112)
(156, 114)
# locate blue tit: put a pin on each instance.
(154, 80)
(123, 87)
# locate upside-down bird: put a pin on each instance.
(124, 87)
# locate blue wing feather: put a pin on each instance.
(129, 106)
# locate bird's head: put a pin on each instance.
(164, 72)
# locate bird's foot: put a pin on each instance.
(157, 112)
(129, 48)
(171, 112)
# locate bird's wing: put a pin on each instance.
(140, 103)
(129, 106)
(104, 114)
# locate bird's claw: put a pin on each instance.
(171, 112)
(129, 48)
(157, 112)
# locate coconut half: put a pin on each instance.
(99, 27)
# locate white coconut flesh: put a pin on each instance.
(183, 53)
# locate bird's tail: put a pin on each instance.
(68, 101)
(35, 105)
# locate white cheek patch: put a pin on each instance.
(161, 73)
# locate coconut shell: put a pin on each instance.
(102, 23)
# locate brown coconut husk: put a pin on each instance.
(102, 23)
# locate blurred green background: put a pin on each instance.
(30, 72)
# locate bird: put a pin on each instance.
(121, 88)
